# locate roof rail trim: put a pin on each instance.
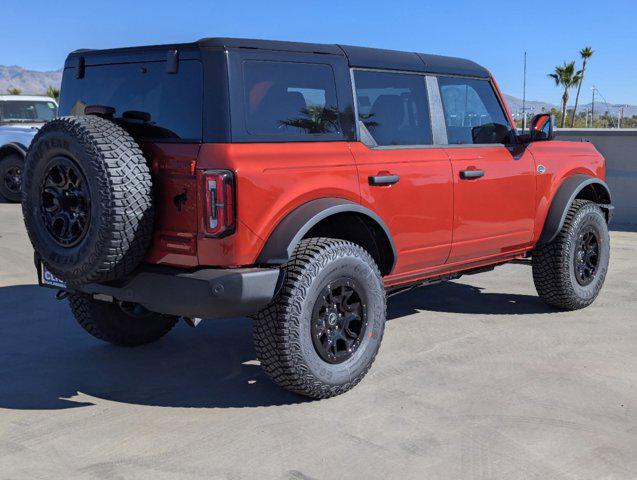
(363, 57)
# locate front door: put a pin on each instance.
(404, 178)
(494, 185)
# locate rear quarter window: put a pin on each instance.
(288, 101)
(149, 102)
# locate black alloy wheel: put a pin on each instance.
(322, 331)
(569, 271)
(586, 256)
(12, 179)
(338, 321)
(66, 204)
(11, 171)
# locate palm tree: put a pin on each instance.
(14, 91)
(315, 119)
(567, 77)
(585, 53)
(53, 93)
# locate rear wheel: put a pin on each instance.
(120, 323)
(11, 177)
(323, 330)
(569, 272)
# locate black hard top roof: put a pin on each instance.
(361, 57)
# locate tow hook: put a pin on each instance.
(192, 322)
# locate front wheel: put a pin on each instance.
(11, 177)
(569, 272)
(321, 334)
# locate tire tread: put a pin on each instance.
(99, 319)
(276, 346)
(125, 198)
(551, 263)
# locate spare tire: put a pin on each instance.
(87, 199)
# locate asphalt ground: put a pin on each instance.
(476, 379)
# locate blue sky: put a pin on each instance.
(38, 34)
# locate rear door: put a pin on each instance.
(404, 177)
(494, 183)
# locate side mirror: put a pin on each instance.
(543, 127)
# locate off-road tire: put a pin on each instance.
(108, 322)
(282, 337)
(120, 191)
(554, 263)
(8, 162)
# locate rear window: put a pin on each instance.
(291, 101)
(152, 104)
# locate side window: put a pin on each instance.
(393, 107)
(472, 112)
(295, 101)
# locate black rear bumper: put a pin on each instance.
(205, 293)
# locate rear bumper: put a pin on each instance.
(206, 293)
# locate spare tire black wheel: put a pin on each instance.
(87, 199)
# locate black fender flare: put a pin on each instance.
(564, 198)
(288, 233)
(13, 147)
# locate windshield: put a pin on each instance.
(27, 111)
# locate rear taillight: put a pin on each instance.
(219, 209)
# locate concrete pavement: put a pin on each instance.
(476, 379)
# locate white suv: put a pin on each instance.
(20, 118)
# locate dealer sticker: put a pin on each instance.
(51, 280)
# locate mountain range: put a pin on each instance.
(29, 81)
(36, 83)
(534, 107)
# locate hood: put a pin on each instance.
(21, 133)
(21, 127)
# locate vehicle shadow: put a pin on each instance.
(46, 359)
(454, 297)
(48, 362)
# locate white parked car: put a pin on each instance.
(20, 118)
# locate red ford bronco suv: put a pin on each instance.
(297, 184)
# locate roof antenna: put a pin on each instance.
(524, 98)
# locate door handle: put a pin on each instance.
(383, 180)
(471, 174)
